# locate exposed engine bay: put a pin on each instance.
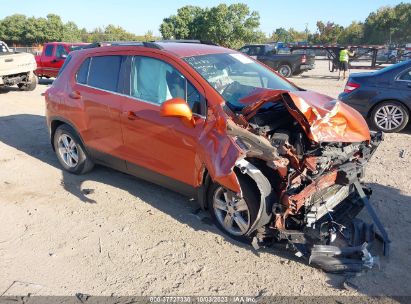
(310, 187)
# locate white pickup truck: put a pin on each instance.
(17, 69)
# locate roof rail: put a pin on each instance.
(187, 41)
(151, 44)
(120, 43)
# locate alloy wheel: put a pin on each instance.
(389, 117)
(68, 150)
(231, 212)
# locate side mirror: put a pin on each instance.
(177, 107)
(64, 56)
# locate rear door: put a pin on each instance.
(161, 149)
(403, 84)
(98, 82)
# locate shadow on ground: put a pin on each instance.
(334, 76)
(4, 90)
(45, 81)
(19, 132)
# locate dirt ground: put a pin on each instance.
(109, 233)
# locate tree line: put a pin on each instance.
(234, 25)
(228, 25)
(20, 30)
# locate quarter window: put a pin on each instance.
(66, 62)
(82, 73)
(155, 81)
(406, 76)
(49, 50)
(104, 72)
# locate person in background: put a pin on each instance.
(344, 58)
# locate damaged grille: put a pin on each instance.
(324, 201)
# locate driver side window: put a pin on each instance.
(156, 81)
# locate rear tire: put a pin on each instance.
(285, 70)
(70, 151)
(232, 216)
(28, 86)
(390, 116)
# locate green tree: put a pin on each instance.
(117, 33)
(352, 34)
(389, 24)
(280, 34)
(12, 28)
(227, 25)
(54, 28)
(327, 32)
(184, 25)
(71, 33)
(149, 36)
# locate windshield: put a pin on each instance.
(236, 76)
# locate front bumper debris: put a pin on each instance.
(350, 250)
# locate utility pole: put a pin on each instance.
(306, 32)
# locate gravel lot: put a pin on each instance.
(109, 233)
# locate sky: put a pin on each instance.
(141, 16)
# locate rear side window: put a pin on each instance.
(406, 76)
(66, 62)
(49, 50)
(82, 72)
(104, 72)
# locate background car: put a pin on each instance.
(53, 57)
(284, 61)
(384, 96)
(17, 69)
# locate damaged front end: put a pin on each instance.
(306, 154)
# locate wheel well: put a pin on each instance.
(385, 100)
(57, 123)
(53, 127)
(285, 63)
(207, 182)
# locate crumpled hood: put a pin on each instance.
(329, 120)
(324, 119)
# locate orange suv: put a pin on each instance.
(270, 161)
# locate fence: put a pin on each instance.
(25, 49)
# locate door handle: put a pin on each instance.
(131, 115)
(75, 95)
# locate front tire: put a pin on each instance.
(390, 116)
(234, 216)
(70, 151)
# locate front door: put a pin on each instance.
(160, 149)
